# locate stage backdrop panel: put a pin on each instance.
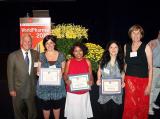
(38, 28)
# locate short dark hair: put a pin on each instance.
(80, 45)
(47, 38)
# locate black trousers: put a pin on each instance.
(157, 111)
(110, 110)
(157, 102)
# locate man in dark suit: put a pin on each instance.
(21, 72)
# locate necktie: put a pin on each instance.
(26, 59)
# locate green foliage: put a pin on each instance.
(94, 66)
(68, 34)
(64, 45)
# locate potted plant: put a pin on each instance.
(68, 34)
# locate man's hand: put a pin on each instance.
(12, 93)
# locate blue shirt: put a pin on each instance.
(51, 92)
(156, 54)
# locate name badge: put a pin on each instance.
(53, 66)
(106, 70)
(35, 64)
(133, 54)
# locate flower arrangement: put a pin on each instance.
(68, 34)
(95, 53)
(70, 31)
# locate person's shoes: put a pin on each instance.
(151, 112)
(155, 106)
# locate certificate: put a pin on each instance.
(111, 86)
(50, 76)
(79, 82)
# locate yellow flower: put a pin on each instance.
(68, 34)
(95, 53)
(70, 31)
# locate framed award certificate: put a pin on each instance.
(50, 76)
(111, 86)
(79, 82)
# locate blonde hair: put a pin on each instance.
(135, 28)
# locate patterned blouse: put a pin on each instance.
(110, 72)
(51, 92)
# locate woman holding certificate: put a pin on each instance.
(50, 87)
(78, 77)
(138, 78)
(110, 81)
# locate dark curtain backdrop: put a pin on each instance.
(105, 20)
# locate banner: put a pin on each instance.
(38, 28)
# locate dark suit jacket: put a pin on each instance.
(18, 76)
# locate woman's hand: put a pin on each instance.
(123, 84)
(38, 68)
(147, 90)
(38, 73)
(98, 82)
(68, 82)
(90, 82)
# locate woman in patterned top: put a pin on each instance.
(111, 67)
(51, 97)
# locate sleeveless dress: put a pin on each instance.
(136, 103)
(78, 105)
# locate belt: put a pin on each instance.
(157, 67)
